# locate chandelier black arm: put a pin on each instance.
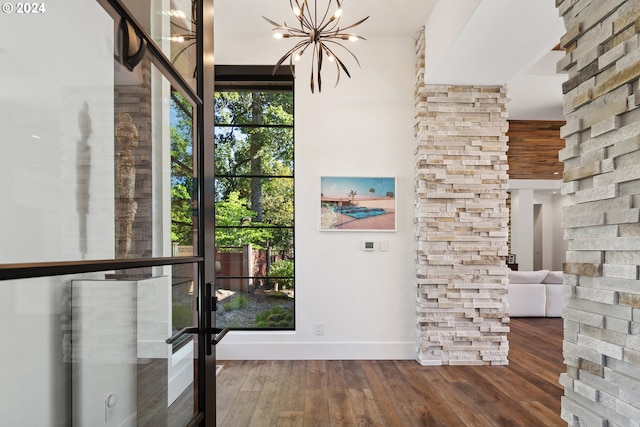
(275, 24)
(304, 43)
(293, 32)
(291, 4)
(302, 19)
(342, 36)
(344, 67)
(339, 64)
(181, 51)
(291, 68)
(354, 25)
(338, 32)
(345, 48)
(288, 54)
(180, 27)
(322, 24)
(319, 65)
(333, 27)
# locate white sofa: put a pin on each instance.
(535, 293)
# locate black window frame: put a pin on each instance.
(231, 78)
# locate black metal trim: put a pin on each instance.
(260, 77)
(255, 277)
(270, 227)
(265, 328)
(157, 55)
(182, 332)
(255, 176)
(220, 333)
(206, 206)
(43, 269)
(253, 126)
(197, 420)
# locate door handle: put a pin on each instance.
(210, 306)
(220, 333)
(182, 332)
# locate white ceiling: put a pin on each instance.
(399, 18)
(482, 42)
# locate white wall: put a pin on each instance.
(363, 127)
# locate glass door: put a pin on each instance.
(105, 278)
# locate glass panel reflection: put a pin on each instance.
(57, 126)
(99, 356)
(111, 175)
(119, 324)
(172, 26)
(154, 168)
(183, 192)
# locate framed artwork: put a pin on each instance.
(357, 203)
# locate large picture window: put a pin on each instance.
(254, 198)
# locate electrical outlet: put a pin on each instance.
(318, 329)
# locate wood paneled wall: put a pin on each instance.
(533, 149)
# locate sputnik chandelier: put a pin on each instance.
(323, 34)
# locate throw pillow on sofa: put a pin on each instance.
(554, 277)
(527, 276)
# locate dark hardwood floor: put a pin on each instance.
(318, 393)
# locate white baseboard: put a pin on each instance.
(316, 351)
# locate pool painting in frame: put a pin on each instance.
(357, 203)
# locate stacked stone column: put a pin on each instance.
(461, 222)
(602, 222)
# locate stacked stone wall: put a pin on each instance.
(602, 221)
(461, 222)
